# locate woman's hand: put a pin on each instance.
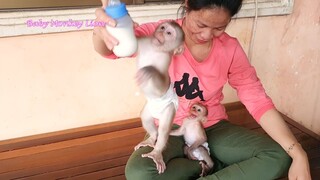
(104, 3)
(299, 169)
(272, 122)
(103, 41)
(101, 31)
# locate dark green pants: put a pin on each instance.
(238, 153)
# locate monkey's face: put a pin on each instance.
(198, 110)
(167, 37)
(164, 33)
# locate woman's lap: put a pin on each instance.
(245, 154)
(238, 153)
(177, 166)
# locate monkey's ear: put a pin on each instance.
(178, 50)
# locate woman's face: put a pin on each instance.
(204, 25)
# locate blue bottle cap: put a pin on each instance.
(116, 11)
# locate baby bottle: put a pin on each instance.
(123, 31)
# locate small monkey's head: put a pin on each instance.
(169, 37)
(200, 111)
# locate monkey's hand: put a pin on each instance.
(148, 142)
(157, 158)
(149, 72)
(143, 75)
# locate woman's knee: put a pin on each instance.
(138, 168)
(144, 168)
(177, 168)
(277, 160)
(284, 161)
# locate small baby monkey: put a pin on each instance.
(195, 137)
(153, 60)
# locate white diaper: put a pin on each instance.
(196, 153)
(157, 105)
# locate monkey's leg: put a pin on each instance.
(165, 123)
(198, 143)
(150, 127)
(207, 163)
(188, 153)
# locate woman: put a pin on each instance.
(212, 58)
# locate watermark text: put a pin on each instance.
(40, 23)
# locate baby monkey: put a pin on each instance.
(153, 60)
(195, 136)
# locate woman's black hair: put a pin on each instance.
(232, 6)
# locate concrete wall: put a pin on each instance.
(287, 58)
(286, 55)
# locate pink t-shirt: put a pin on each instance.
(203, 82)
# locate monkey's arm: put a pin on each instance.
(177, 132)
(150, 77)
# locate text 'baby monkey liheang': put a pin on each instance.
(195, 137)
(153, 60)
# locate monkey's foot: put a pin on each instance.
(148, 142)
(157, 158)
(205, 168)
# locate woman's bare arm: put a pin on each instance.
(273, 123)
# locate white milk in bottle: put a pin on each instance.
(123, 31)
